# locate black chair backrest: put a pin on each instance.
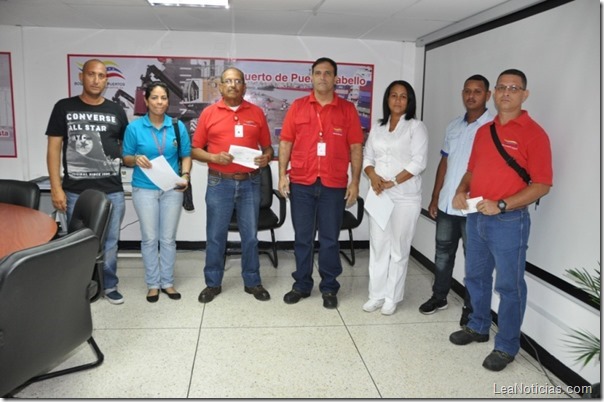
(45, 311)
(23, 193)
(350, 221)
(266, 187)
(91, 210)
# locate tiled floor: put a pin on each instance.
(237, 347)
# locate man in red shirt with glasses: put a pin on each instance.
(232, 121)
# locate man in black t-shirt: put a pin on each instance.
(84, 136)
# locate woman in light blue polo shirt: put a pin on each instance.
(158, 211)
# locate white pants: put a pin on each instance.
(389, 252)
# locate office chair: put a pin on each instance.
(350, 222)
(46, 311)
(267, 219)
(93, 210)
(23, 193)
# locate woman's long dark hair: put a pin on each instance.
(411, 102)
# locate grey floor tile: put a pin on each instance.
(418, 361)
(138, 364)
(310, 362)
(238, 347)
(137, 313)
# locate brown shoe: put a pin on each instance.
(208, 294)
(259, 292)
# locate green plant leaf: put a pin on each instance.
(585, 345)
(582, 343)
(587, 282)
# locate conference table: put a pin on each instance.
(22, 227)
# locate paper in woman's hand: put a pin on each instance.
(379, 207)
(244, 156)
(162, 174)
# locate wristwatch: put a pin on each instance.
(393, 180)
(502, 205)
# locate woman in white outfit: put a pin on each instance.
(395, 155)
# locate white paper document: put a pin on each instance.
(471, 205)
(162, 174)
(379, 207)
(244, 156)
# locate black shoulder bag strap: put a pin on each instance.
(177, 132)
(509, 159)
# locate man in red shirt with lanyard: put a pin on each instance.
(498, 231)
(232, 121)
(321, 136)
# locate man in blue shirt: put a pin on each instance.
(451, 222)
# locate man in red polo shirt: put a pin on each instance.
(321, 136)
(232, 121)
(498, 231)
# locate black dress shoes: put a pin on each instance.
(153, 298)
(208, 294)
(174, 295)
(293, 296)
(330, 300)
(259, 292)
(467, 335)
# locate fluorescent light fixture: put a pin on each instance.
(191, 3)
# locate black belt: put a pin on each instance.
(239, 176)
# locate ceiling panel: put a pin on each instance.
(392, 20)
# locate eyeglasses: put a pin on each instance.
(232, 82)
(512, 88)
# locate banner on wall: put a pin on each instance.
(8, 144)
(271, 84)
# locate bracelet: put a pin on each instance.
(393, 180)
(187, 174)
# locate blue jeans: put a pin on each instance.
(313, 208)
(118, 202)
(222, 197)
(449, 229)
(498, 242)
(158, 214)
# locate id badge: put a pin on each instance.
(321, 149)
(238, 131)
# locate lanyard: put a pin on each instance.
(160, 147)
(320, 124)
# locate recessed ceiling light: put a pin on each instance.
(191, 3)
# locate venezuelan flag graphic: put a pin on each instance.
(113, 70)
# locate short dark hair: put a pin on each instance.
(411, 102)
(234, 69)
(325, 60)
(154, 84)
(478, 77)
(514, 71)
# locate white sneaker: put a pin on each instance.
(388, 308)
(372, 305)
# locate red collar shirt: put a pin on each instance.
(525, 141)
(216, 131)
(307, 124)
